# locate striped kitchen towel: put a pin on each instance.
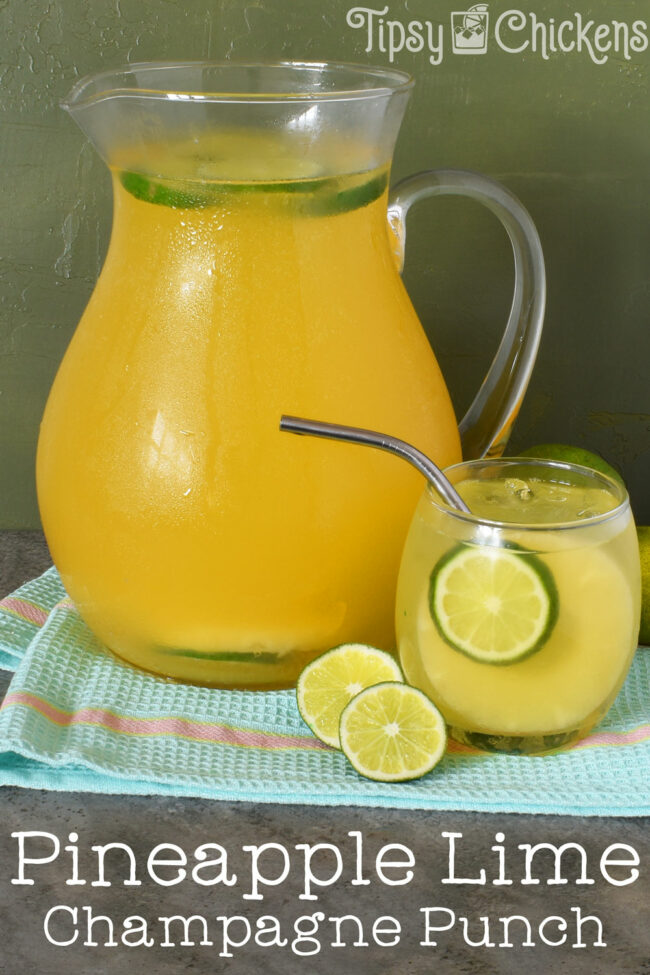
(77, 719)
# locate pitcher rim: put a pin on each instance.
(394, 81)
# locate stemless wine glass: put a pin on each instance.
(520, 620)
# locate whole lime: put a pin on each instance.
(643, 532)
(572, 455)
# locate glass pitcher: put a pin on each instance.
(252, 271)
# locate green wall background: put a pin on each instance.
(570, 137)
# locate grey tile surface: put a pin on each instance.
(142, 823)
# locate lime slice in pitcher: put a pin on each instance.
(392, 733)
(330, 681)
(496, 605)
(322, 196)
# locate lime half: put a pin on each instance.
(330, 681)
(496, 605)
(392, 732)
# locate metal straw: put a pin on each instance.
(369, 438)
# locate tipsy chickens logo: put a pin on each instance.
(469, 30)
(476, 31)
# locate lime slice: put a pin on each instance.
(319, 197)
(392, 732)
(330, 681)
(236, 656)
(496, 605)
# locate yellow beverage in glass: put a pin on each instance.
(520, 620)
(195, 539)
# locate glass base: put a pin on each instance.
(516, 744)
(228, 670)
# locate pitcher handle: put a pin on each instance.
(485, 428)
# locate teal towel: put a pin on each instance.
(77, 719)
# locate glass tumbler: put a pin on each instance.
(520, 620)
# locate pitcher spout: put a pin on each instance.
(336, 117)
